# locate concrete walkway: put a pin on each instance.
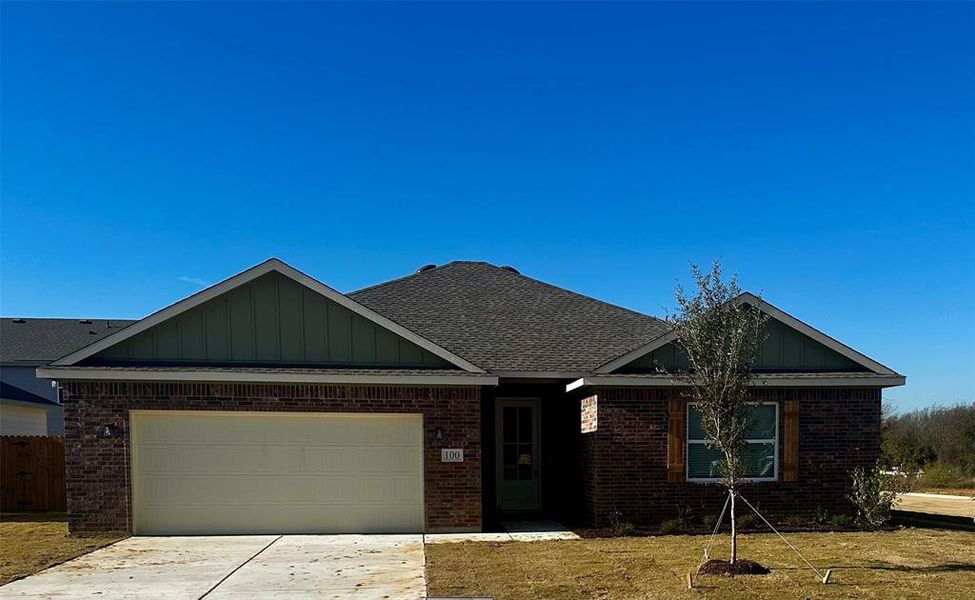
(515, 531)
(245, 567)
(937, 504)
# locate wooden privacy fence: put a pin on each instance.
(32, 473)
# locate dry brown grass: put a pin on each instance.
(33, 542)
(896, 565)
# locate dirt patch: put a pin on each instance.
(740, 567)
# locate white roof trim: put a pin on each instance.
(758, 381)
(777, 314)
(265, 267)
(217, 376)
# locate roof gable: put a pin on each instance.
(269, 314)
(791, 346)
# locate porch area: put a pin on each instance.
(530, 436)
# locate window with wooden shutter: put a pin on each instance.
(790, 441)
(676, 435)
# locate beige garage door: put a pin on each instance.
(202, 472)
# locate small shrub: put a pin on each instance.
(618, 526)
(798, 521)
(821, 516)
(747, 521)
(708, 521)
(682, 523)
(840, 521)
(872, 496)
(671, 526)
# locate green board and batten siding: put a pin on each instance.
(272, 319)
(785, 349)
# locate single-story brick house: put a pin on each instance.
(435, 402)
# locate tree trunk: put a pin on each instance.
(734, 530)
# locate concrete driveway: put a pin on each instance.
(251, 567)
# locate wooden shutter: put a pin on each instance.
(676, 438)
(790, 441)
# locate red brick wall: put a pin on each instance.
(98, 468)
(624, 462)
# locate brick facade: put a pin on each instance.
(98, 467)
(624, 461)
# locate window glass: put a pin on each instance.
(759, 460)
(761, 422)
(524, 424)
(760, 418)
(703, 462)
(694, 429)
(510, 417)
(759, 457)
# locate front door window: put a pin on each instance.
(517, 454)
(518, 439)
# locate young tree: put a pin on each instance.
(721, 337)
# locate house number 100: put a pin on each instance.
(452, 455)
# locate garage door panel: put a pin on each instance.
(161, 491)
(192, 520)
(303, 429)
(208, 472)
(255, 459)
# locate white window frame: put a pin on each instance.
(688, 441)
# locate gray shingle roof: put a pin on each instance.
(504, 321)
(45, 340)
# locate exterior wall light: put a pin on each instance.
(109, 431)
(439, 434)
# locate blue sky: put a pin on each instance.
(823, 151)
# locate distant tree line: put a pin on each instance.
(940, 441)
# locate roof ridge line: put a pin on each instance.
(416, 274)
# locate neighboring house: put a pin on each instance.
(271, 403)
(24, 413)
(30, 405)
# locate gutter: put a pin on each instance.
(758, 381)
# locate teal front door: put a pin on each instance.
(518, 462)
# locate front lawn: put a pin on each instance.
(909, 563)
(33, 542)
